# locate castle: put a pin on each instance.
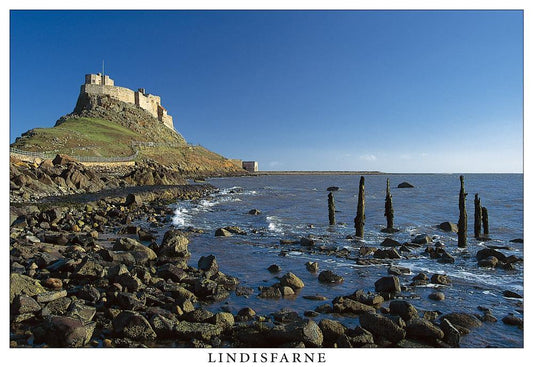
(104, 85)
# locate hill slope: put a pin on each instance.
(101, 126)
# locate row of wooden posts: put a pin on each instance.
(481, 216)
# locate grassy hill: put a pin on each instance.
(104, 127)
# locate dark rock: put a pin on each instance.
(452, 336)
(50, 296)
(223, 319)
(423, 329)
(174, 244)
(307, 241)
(222, 232)
(389, 242)
(58, 307)
(133, 325)
(488, 252)
(193, 330)
(331, 331)
(398, 270)
(198, 315)
(517, 240)
(130, 301)
(89, 293)
(23, 285)
(347, 305)
(381, 326)
(462, 320)
(327, 276)
(325, 308)
(440, 279)
(405, 185)
(365, 250)
(133, 200)
(359, 337)
(208, 264)
(446, 258)
(511, 294)
(172, 272)
(388, 284)
(63, 331)
(270, 292)
(437, 296)
(274, 268)
(404, 309)
(488, 262)
(387, 254)
(422, 239)
(311, 266)
(81, 311)
(513, 320)
(24, 304)
(162, 326)
(333, 188)
(305, 331)
(254, 212)
(448, 227)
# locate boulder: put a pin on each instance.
(133, 325)
(511, 294)
(327, 276)
(487, 252)
(448, 227)
(304, 331)
(388, 284)
(133, 200)
(50, 296)
(440, 279)
(162, 326)
(174, 244)
(64, 331)
(129, 244)
(270, 292)
(23, 285)
(24, 304)
(291, 280)
(254, 212)
(193, 330)
(462, 319)
(381, 326)
(331, 331)
(418, 328)
(403, 309)
(208, 264)
(452, 336)
(81, 311)
(422, 239)
(488, 262)
(62, 160)
(347, 305)
(387, 254)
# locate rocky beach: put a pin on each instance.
(98, 260)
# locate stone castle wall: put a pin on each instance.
(95, 84)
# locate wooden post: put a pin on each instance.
(331, 209)
(485, 218)
(461, 234)
(389, 211)
(360, 217)
(477, 216)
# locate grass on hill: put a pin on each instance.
(82, 137)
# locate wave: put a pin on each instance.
(274, 224)
(180, 218)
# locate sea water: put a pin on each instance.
(294, 206)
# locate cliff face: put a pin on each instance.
(106, 127)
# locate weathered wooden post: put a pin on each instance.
(389, 211)
(485, 218)
(477, 216)
(461, 234)
(360, 217)
(331, 209)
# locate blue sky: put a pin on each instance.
(394, 91)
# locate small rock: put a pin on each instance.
(422, 239)
(440, 279)
(448, 227)
(274, 268)
(50, 296)
(311, 266)
(254, 212)
(437, 296)
(389, 242)
(513, 320)
(405, 185)
(511, 294)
